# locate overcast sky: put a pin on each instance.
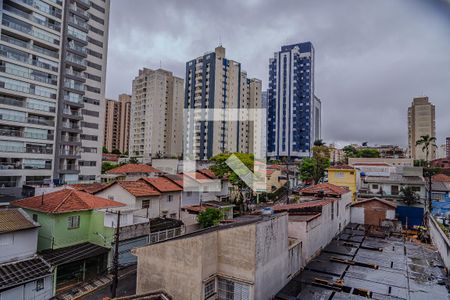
(372, 57)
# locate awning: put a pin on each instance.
(20, 272)
(72, 253)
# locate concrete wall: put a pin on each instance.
(28, 291)
(440, 240)
(272, 260)
(18, 245)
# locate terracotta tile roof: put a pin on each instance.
(196, 176)
(441, 178)
(66, 200)
(277, 167)
(178, 179)
(163, 184)
(133, 168)
(362, 201)
(90, 188)
(341, 167)
(327, 188)
(207, 172)
(13, 219)
(297, 206)
(138, 188)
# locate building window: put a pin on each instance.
(339, 175)
(170, 198)
(210, 288)
(231, 290)
(394, 190)
(173, 216)
(145, 203)
(415, 188)
(40, 284)
(35, 217)
(375, 186)
(73, 222)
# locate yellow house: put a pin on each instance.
(344, 176)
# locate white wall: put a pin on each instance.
(18, 245)
(357, 215)
(28, 291)
(441, 241)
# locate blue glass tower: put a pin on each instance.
(293, 112)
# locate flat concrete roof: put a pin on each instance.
(359, 265)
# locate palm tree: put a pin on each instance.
(426, 141)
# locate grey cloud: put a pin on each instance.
(372, 57)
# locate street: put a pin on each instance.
(126, 286)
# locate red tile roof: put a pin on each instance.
(90, 188)
(196, 175)
(138, 188)
(296, 206)
(359, 202)
(163, 184)
(440, 178)
(15, 219)
(66, 200)
(178, 179)
(327, 188)
(133, 168)
(207, 172)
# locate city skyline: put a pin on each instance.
(380, 61)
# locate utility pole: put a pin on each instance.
(116, 258)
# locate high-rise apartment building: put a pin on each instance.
(117, 123)
(156, 115)
(294, 112)
(447, 146)
(52, 82)
(215, 82)
(421, 121)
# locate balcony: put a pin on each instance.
(74, 86)
(30, 17)
(29, 166)
(79, 11)
(72, 114)
(85, 3)
(56, 12)
(25, 134)
(71, 126)
(69, 169)
(78, 23)
(70, 139)
(40, 121)
(29, 75)
(28, 149)
(30, 31)
(81, 64)
(17, 165)
(74, 47)
(12, 102)
(70, 152)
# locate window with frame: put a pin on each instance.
(169, 198)
(73, 222)
(375, 186)
(415, 188)
(232, 290)
(40, 284)
(145, 203)
(35, 217)
(210, 288)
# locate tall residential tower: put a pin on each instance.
(156, 115)
(421, 121)
(294, 112)
(117, 123)
(215, 82)
(52, 83)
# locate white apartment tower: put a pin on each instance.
(215, 82)
(52, 85)
(156, 115)
(421, 121)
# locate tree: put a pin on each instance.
(210, 217)
(319, 143)
(408, 195)
(427, 142)
(314, 168)
(116, 151)
(367, 152)
(105, 150)
(221, 169)
(349, 151)
(106, 166)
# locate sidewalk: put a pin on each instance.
(88, 287)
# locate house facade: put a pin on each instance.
(24, 275)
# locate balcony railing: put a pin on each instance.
(24, 134)
(29, 166)
(69, 152)
(71, 126)
(55, 13)
(10, 165)
(75, 47)
(70, 167)
(80, 11)
(66, 138)
(30, 31)
(12, 101)
(31, 17)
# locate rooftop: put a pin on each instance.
(163, 184)
(177, 178)
(64, 201)
(360, 265)
(327, 189)
(133, 168)
(138, 188)
(90, 188)
(23, 271)
(302, 205)
(15, 219)
(441, 178)
(395, 178)
(387, 202)
(73, 253)
(341, 167)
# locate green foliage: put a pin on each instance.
(106, 166)
(116, 151)
(221, 169)
(420, 163)
(408, 196)
(210, 217)
(427, 142)
(319, 143)
(314, 168)
(351, 151)
(105, 150)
